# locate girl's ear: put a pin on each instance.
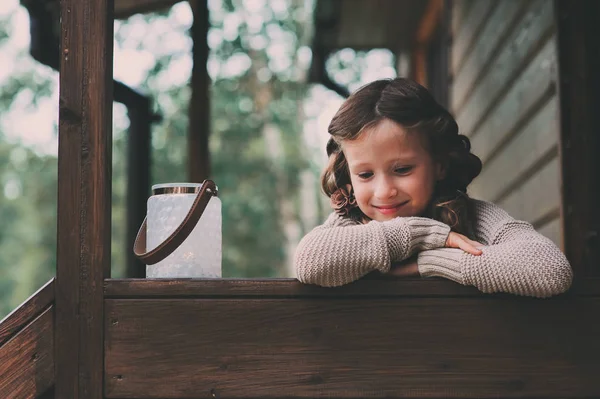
(440, 171)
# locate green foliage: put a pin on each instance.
(257, 148)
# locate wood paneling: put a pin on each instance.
(552, 230)
(520, 156)
(392, 348)
(491, 37)
(523, 44)
(528, 93)
(27, 360)
(25, 313)
(504, 97)
(84, 194)
(466, 33)
(460, 11)
(537, 197)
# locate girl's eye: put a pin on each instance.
(365, 175)
(403, 170)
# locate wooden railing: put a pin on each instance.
(373, 338)
(27, 347)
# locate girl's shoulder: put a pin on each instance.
(488, 212)
(488, 219)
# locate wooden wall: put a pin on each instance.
(503, 94)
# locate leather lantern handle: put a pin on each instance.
(178, 236)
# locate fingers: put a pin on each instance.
(469, 247)
(456, 240)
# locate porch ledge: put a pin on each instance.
(375, 286)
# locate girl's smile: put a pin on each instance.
(390, 209)
(391, 171)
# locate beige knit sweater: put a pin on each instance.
(516, 259)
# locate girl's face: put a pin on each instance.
(392, 173)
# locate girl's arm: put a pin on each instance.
(341, 251)
(516, 260)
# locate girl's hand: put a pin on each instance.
(456, 240)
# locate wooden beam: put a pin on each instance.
(27, 359)
(24, 314)
(199, 111)
(138, 179)
(372, 286)
(84, 195)
(579, 99)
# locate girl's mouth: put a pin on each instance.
(390, 209)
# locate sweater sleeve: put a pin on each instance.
(341, 251)
(515, 259)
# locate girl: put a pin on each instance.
(397, 178)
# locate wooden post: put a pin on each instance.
(84, 195)
(579, 96)
(138, 180)
(199, 112)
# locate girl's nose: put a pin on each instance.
(385, 190)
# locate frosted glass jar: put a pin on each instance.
(200, 254)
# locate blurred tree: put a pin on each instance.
(258, 63)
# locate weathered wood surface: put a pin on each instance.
(460, 11)
(552, 230)
(84, 195)
(367, 287)
(523, 99)
(370, 286)
(525, 41)
(465, 33)
(521, 157)
(578, 29)
(537, 197)
(345, 348)
(25, 313)
(505, 100)
(492, 36)
(27, 359)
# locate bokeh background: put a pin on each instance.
(268, 131)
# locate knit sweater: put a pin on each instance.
(515, 259)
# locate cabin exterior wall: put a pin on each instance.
(504, 97)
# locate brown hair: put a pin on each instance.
(414, 108)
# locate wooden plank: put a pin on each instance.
(492, 36)
(27, 359)
(539, 196)
(529, 91)
(579, 90)
(552, 230)
(374, 286)
(460, 11)
(199, 111)
(466, 36)
(24, 314)
(138, 178)
(520, 156)
(513, 348)
(126, 8)
(526, 40)
(586, 287)
(84, 194)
